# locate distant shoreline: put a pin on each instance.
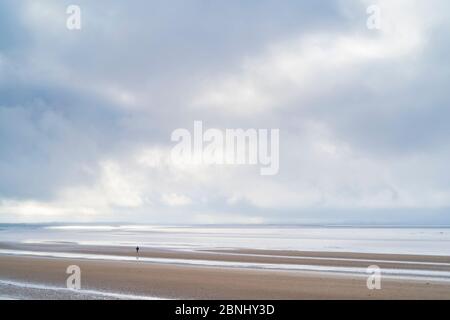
(225, 225)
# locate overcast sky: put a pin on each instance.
(86, 115)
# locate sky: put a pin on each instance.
(363, 114)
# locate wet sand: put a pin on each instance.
(339, 259)
(202, 282)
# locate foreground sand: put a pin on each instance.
(199, 282)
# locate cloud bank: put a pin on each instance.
(86, 116)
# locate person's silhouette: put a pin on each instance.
(137, 252)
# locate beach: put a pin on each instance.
(34, 265)
(141, 280)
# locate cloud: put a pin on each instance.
(173, 199)
(304, 67)
(86, 117)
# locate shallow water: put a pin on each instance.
(16, 290)
(401, 240)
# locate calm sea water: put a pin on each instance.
(407, 240)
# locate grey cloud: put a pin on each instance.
(69, 100)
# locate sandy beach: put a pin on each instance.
(174, 280)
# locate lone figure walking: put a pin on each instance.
(137, 252)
